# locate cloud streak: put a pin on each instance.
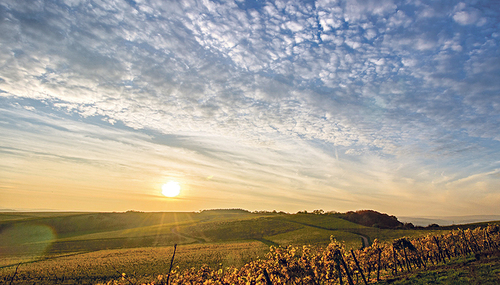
(387, 94)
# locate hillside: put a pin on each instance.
(87, 244)
(372, 218)
(59, 233)
(30, 235)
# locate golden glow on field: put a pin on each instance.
(171, 189)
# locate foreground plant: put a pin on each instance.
(336, 265)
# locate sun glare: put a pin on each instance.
(171, 189)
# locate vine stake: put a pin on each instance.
(359, 267)
(171, 263)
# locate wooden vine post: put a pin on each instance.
(488, 240)
(337, 266)
(171, 263)
(395, 269)
(408, 265)
(467, 243)
(346, 268)
(266, 276)
(378, 264)
(359, 267)
(441, 255)
(474, 241)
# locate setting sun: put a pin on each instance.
(171, 189)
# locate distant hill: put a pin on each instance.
(449, 220)
(370, 218)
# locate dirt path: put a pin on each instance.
(364, 239)
(198, 239)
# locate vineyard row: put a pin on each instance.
(337, 265)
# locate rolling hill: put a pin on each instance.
(59, 233)
(51, 233)
(93, 246)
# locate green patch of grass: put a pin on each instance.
(18, 216)
(101, 266)
(154, 230)
(460, 271)
(87, 248)
(247, 229)
(59, 247)
(387, 235)
(316, 237)
(331, 222)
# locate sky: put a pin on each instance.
(262, 105)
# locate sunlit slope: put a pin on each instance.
(62, 233)
(105, 222)
(75, 232)
(20, 216)
(154, 230)
(315, 237)
(350, 232)
(247, 229)
(76, 224)
(40, 234)
(331, 222)
(102, 265)
(278, 229)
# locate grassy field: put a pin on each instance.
(461, 271)
(90, 247)
(102, 265)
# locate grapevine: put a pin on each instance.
(337, 265)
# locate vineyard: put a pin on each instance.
(337, 265)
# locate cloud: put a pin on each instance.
(361, 9)
(384, 79)
(109, 155)
(465, 18)
(467, 15)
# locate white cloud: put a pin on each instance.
(376, 77)
(370, 34)
(361, 9)
(467, 15)
(424, 44)
(465, 18)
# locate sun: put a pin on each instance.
(171, 189)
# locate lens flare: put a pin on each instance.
(26, 239)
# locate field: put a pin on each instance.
(102, 265)
(86, 248)
(461, 271)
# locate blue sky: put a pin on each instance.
(287, 105)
